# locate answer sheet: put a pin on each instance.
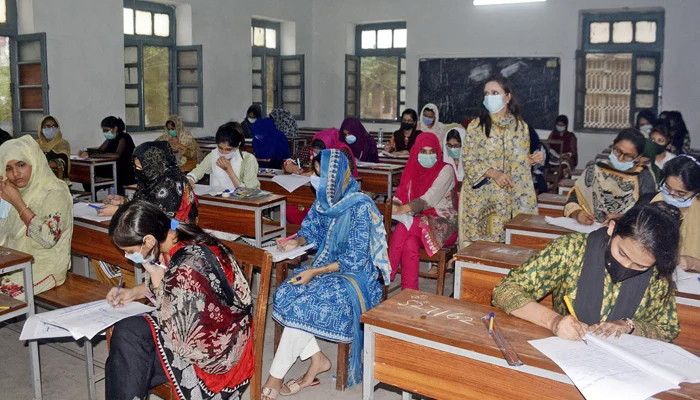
(570, 223)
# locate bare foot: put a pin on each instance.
(319, 364)
(272, 383)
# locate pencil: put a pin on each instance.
(570, 307)
(4, 308)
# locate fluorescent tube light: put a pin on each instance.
(493, 2)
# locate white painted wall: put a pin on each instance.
(456, 28)
(85, 46)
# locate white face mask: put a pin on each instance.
(315, 182)
(252, 120)
(229, 155)
(645, 129)
(49, 132)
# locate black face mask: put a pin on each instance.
(617, 271)
(406, 126)
(659, 148)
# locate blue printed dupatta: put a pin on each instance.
(338, 192)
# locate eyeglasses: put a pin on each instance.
(455, 146)
(625, 156)
(665, 190)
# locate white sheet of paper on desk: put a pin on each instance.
(89, 319)
(572, 224)
(202, 190)
(34, 328)
(291, 182)
(231, 237)
(686, 282)
(631, 367)
(278, 256)
(366, 164)
(83, 210)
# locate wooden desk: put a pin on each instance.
(551, 205)
(82, 170)
(243, 216)
(565, 186)
(11, 261)
(303, 196)
(532, 231)
(438, 347)
(575, 174)
(393, 160)
(379, 178)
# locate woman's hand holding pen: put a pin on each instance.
(569, 328)
(583, 217)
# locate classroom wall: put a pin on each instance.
(85, 46)
(456, 28)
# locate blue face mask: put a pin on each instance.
(619, 165)
(494, 103)
(427, 121)
(350, 139)
(680, 203)
(5, 208)
(454, 153)
(109, 135)
(561, 128)
(427, 160)
(137, 258)
(315, 182)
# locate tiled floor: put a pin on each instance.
(63, 376)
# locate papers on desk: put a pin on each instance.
(291, 182)
(686, 282)
(202, 190)
(231, 237)
(278, 256)
(572, 224)
(83, 210)
(392, 155)
(632, 367)
(84, 320)
(371, 164)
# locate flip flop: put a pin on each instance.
(269, 392)
(294, 387)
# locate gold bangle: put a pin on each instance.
(23, 210)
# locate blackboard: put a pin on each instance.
(456, 86)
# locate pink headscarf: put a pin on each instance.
(331, 138)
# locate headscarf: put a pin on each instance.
(186, 139)
(58, 144)
(416, 180)
(285, 122)
(438, 127)
(459, 168)
(161, 182)
(268, 141)
(330, 137)
(245, 124)
(365, 147)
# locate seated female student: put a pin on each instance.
(323, 140)
(196, 286)
(228, 166)
(118, 144)
(160, 182)
(326, 299)
(36, 216)
(270, 145)
(660, 136)
(285, 122)
(680, 137)
(645, 121)
(566, 153)
(362, 144)
(427, 196)
(608, 189)
(252, 115)
(403, 139)
(185, 148)
(452, 151)
(54, 146)
(430, 121)
(619, 279)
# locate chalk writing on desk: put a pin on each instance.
(511, 252)
(432, 311)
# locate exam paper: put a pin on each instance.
(570, 223)
(231, 237)
(278, 256)
(34, 328)
(291, 182)
(686, 282)
(202, 190)
(83, 210)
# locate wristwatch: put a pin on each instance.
(630, 323)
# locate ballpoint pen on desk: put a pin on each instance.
(570, 307)
(492, 317)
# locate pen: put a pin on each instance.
(570, 307)
(298, 163)
(298, 278)
(491, 319)
(95, 206)
(119, 286)
(294, 236)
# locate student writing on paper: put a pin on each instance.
(452, 151)
(36, 216)
(427, 192)
(326, 299)
(324, 140)
(56, 148)
(619, 279)
(228, 166)
(269, 144)
(496, 155)
(403, 139)
(185, 148)
(362, 144)
(681, 189)
(160, 182)
(199, 337)
(608, 189)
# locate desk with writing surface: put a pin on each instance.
(302, 196)
(551, 205)
(82, 170)
(398, 160)
(531, 231)
(379, 178)
(565, 186)
(438, 347)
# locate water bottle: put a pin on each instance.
(381, 136)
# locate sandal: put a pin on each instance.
(294, 388)
(270, 393)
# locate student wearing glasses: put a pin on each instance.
(608, 189)
(403, 139)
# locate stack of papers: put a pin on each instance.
(84, 320)
(231, 237)
(392, 155)
(572, 224)
(202, 190)
(278, 256)
(291, 182)
(83, 210)
(686, 282)
(631, 367)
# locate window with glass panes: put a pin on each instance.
(160, 77)
(618, 68)
(265, 40)
(375, 77)
(24, 89)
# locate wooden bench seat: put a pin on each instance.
(75, 290)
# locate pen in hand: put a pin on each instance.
(570, 307)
